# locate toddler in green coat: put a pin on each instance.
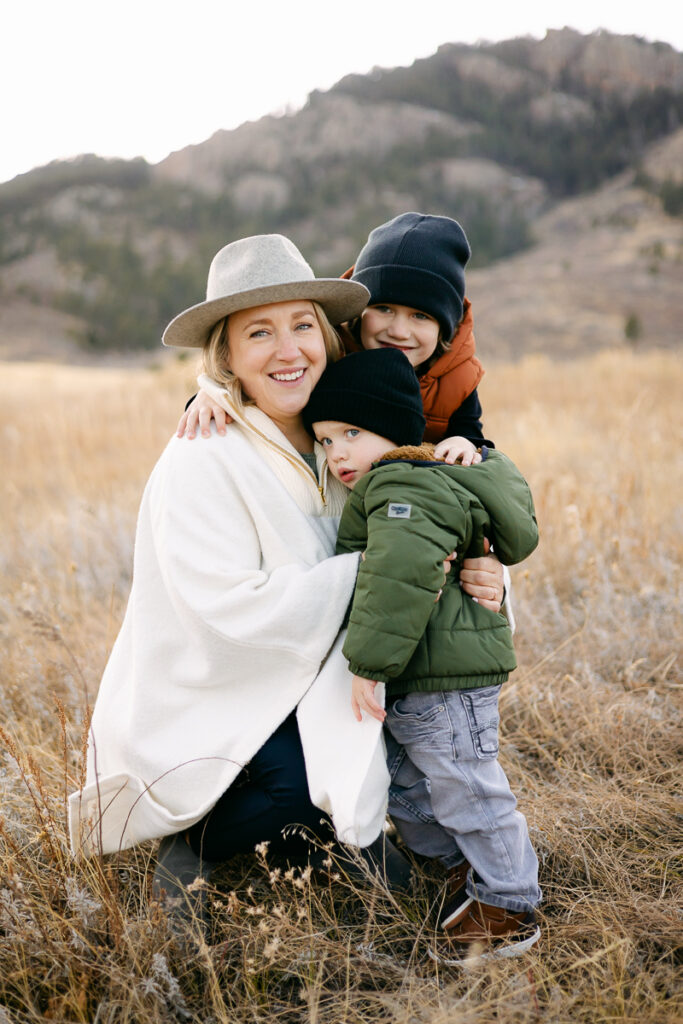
(441, 656)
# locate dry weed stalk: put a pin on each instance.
(591, 732)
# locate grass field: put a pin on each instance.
(591, 734)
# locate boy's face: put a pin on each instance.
(350, 450)
(387, 325)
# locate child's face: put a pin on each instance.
(387, 325)
(350, 450)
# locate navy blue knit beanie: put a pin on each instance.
(375, 389)
(417, 260)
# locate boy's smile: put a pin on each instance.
(350, 451)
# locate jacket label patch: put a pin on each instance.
(398, 511)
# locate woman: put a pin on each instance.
(228, 653)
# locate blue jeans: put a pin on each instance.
(449, 797)
(267, 796)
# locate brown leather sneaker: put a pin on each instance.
(456, 894)
(483, 932)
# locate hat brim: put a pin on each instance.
(341, 300)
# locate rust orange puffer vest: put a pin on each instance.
(453, 377)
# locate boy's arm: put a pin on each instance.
(510, 506)
(509, 519)
(402, 573)
(466, 422)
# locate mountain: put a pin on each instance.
(562, 158)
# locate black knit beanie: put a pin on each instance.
(417, 260)
(375, 389)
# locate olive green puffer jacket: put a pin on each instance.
(407, 515)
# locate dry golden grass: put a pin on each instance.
(591, 730)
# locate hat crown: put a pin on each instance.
(418, 240)
(417, 260)
(259, 271)
(260, 261)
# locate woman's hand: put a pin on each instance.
(363, 699)
(201, 411)
(457, 449)
(482, 579)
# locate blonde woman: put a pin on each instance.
(222, 717)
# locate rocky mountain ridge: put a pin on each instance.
(563, 159)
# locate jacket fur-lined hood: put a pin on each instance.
(418, 453)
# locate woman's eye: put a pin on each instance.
(303, 326)
(325, 442)
(353, 432)
(260, 333)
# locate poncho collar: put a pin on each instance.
(326, 498)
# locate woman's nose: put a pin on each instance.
(288, 345)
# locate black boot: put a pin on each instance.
(381, 860)
(181, 882)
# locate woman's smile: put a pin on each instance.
(289, 376)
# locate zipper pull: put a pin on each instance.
(322, 482)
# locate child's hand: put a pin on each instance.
(446, 569)
(457, 449)
(363, 699)
(201, 411)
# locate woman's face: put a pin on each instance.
(388, 325)
(278, 353)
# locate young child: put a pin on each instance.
(441, 656)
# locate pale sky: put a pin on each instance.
(145, 77)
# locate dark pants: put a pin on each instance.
(268, 795)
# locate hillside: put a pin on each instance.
(605, 272)
(561, 157)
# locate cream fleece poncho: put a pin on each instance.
(232, 622)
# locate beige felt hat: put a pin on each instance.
(256, 271)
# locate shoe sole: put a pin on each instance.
(499, 953)
(459, 911)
